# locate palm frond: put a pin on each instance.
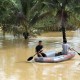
(38, 17)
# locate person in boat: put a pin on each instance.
(65, 47)
(39, 50)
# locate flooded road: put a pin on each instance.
(14, 53)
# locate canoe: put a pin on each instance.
(55, 59)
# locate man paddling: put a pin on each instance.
(39, 50)
(65, 49)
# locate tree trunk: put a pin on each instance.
(26, 33)
(4, 34)
(63, 27)
(64, 33)
(4, 30)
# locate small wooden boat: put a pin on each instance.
(55, 59)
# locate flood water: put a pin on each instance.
(14, 54)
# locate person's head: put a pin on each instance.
(40, 42)
(65, 41)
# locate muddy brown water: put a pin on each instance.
(14, 53)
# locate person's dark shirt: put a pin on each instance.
(38, 48)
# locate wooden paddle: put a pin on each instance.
(30, 58)
(76, 51)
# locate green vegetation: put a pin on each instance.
(31, 17)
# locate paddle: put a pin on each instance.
(30, 58)
(76, 51)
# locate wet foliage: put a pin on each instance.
(36, 16)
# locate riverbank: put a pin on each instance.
(57, 34)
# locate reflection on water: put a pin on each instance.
(14, 52)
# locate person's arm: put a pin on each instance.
(70, 48)
(40, 53)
